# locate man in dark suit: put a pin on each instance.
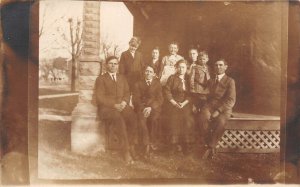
(131, 63)
(215, 113)
(147, 100)
(112, 96)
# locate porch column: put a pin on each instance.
(86, 135)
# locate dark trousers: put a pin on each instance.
(199, 100)
(149, 127)
(212, 130)
(125, 122)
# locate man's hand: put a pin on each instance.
(215, 114)
(123, 104)
(194, 109)
(118, 107)
(147, 112)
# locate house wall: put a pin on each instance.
(248, 35)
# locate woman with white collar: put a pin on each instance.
(178, 109)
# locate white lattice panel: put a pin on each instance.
(260, 140)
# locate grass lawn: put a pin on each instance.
(56, 161)
(64, 104)
(48, 91)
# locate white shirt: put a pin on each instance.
(150, 81)
(132, 53)
(115, 76)
(220, 76)
(154, 61)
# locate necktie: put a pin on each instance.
(216, 80)
(113, 77)
(214, 87)
(148, 83)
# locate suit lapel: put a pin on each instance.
(223, 80)
(129, 55)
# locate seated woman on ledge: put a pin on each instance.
(178, 109)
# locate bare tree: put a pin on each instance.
(109, 48)
(73, 45)
(47, 12)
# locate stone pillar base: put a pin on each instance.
(86, 133)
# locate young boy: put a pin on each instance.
(199, 77)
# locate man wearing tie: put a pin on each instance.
(112, 96)
(218, 109)
(147, 99)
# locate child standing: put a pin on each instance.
(199, 77)
(168, 63)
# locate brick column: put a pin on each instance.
(86, 135)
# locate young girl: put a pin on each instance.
(168, 63)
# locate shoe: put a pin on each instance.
(147, 152)
(209, 153)
(128, 159)
(179, 148)
(133, 153)
(154, 147)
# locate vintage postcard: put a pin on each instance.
(159, 92)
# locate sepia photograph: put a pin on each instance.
(161, 90)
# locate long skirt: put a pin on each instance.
(178, 124)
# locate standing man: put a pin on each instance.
(131, 63)
(218, 109)
(112, 96)
(147, 100)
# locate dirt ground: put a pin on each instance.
(56, 161)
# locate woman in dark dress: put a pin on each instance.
(179, 126)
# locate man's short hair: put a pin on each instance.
(111, 58)
(155, 48)
(223, 60)
(194, 48)
(182, 61)
(151, 66)
(135, 41)
(174, 43)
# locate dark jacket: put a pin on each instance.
(131, 68)
(157, 66)
(108, 92)
(222, 96)
(147, 96)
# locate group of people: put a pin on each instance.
(171, 100)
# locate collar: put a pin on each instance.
(149, 80)
(113, 74)
(132, 53)
(181, 77)
(220, 76)
(154, 61)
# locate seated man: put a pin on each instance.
(112, 96)
(147, 100)
(218, 109)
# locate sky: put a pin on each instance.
(116, 25)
